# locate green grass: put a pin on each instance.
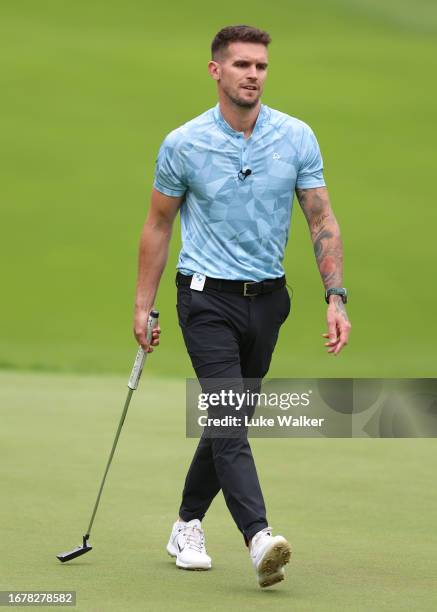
(89, 90)
(360, 514)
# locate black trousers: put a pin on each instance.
(228, 336)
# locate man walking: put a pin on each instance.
(232, 173)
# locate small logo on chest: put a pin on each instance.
(276, 156)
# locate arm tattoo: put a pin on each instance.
(325, 234)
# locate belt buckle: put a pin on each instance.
(245, 289)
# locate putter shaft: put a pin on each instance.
(132, 385)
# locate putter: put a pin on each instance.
(132, 385)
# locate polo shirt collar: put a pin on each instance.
(224, 125)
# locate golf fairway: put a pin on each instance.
(360, 514)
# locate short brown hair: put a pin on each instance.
(238, 33)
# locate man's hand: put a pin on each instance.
(338, 325)
(140, 329)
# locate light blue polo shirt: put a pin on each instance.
(237, 227)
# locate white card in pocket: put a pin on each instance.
(198, 281)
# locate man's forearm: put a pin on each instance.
(328, 250)
(325, 234)
(153, 253)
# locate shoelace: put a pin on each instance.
(194, 538)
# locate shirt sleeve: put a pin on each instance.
(169, 170)
(310, 172)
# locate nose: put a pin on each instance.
(252, 72)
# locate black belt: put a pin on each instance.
(246, 288)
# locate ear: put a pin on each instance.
(214, 70)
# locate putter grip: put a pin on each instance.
(141, 355)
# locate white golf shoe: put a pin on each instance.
(269, 554)
(187, 544)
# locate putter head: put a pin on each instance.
(76, 552)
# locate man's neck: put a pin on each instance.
(240, 119)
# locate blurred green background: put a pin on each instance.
(89, 91)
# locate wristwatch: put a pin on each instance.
(341, 291)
